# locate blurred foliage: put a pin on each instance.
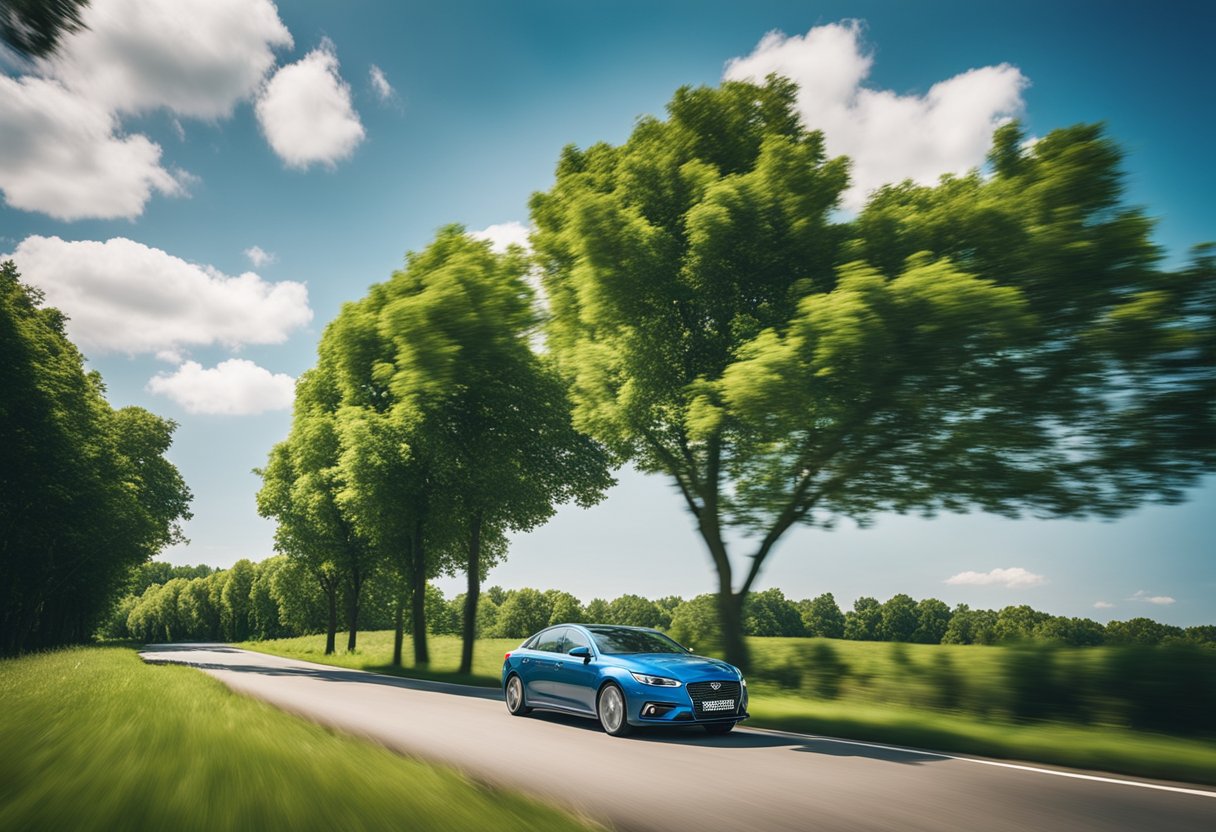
(86, 492)
(34, 28)
(82, 753)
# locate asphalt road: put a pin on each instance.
(686, 780)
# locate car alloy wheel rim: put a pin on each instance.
(513, 693)
(614, 709)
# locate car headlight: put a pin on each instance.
(657, 681)
(742, 681)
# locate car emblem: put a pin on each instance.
(715, 685)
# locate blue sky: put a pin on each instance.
(141, 168)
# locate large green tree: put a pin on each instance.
(299, 490)
(454, 431)
(459, 320)
(1001, 341)
(85, 490)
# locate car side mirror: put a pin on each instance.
(583, 653)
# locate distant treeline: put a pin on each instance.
(278, 598)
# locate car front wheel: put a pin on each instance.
(610, 707)
(515, 697)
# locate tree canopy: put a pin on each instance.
(1004, 340)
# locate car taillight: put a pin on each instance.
(507, 656)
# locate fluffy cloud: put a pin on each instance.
(306, 113)
(260, 257)
(503, 235)
(232, 388)
(1013, 578)
(890, 137)
(122, 296)
(1103, 605)
(384, 90)
(62, 154)
(63, 151)
(197, 58)
(1160, 600)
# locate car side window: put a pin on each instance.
(550, 641)
(574, 638)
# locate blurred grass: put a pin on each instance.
(940, 697)
(94, 739)
(1116, 750)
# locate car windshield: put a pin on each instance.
(614, 640)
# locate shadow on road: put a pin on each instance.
(690, 735)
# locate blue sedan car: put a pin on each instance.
(623, 676)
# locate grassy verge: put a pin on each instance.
(874, 696)
(95, 739)
(375, 653)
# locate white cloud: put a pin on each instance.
(890, 137)
(1103, 605)
(63, 150)
(232, 388)
(122, 296)
(1160, 600)
(503, 235)
(260, 257)
(65, 156)
(197, 58)
(306, 114)
(1013, 578)
(384, 90)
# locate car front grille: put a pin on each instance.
(702, 691)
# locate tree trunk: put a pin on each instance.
(473, 570)
(418, 607)
(399, 632)
(730, 618)
(331, 632)
(352, 612)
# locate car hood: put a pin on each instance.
(685, 667)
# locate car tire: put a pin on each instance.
(719, 728)
(610, 708)
(514, 694)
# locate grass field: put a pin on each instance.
(94, 739)
(941, 697)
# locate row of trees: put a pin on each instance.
(85, 489)
(1004, 341)
(277, 597)
(428, 430)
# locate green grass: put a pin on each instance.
(93, 738)
(375, 652)
(941, 697)
(1108, 749)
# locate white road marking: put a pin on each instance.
(1072, 774)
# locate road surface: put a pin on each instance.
(686, 780)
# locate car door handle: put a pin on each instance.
(559, 665)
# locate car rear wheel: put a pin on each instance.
(720, 727)
(610, 707)
(515, 697)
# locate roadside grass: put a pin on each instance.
(1115, 750)
(375, 652)
(940, 697)
(94, 739)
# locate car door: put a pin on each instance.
(541, 677)
(575, 680)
